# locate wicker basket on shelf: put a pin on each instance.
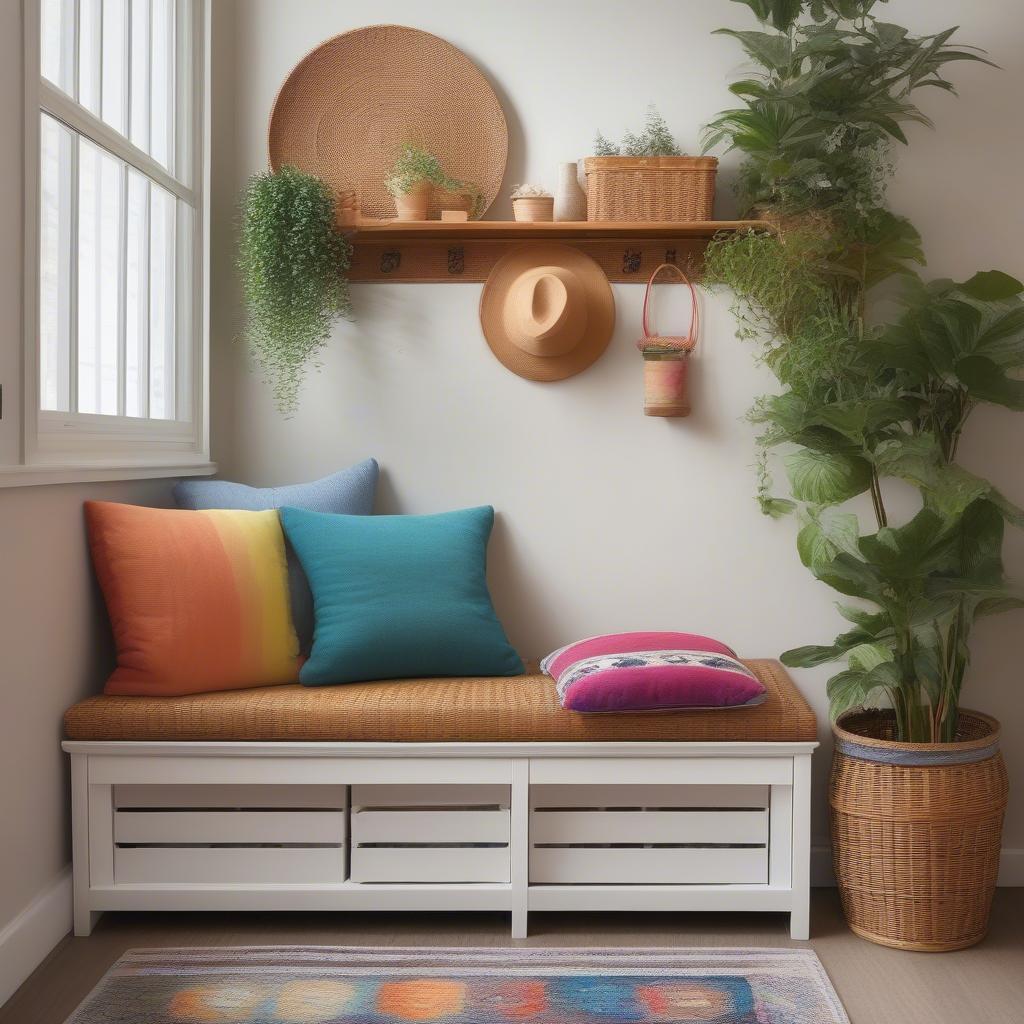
(916, 831)
(651, 188)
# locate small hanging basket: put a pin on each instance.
(666, 357)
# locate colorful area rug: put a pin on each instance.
(338, 985)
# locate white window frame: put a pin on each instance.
(59, 446)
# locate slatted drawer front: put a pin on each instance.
(430, 833)
(229, 834)
(622, 835)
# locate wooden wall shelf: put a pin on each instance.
(435, 251)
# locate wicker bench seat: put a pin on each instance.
(462, 710)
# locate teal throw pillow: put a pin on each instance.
(399, 596)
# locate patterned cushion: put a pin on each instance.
(198, 600)
(350, 491)
(650, 671)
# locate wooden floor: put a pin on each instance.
(878, 986)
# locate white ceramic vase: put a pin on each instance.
(570, 199)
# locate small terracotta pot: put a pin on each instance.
(534, 208)
(413, 205)
(665, 377)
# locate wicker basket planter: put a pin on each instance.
(916, 831)
(652, 188)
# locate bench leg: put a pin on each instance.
(84, 918)
(85, 921)
(519, 846)
(799, 918)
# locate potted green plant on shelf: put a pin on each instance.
(918, 787)
(417, 177)
(647, 177)
(293, 262)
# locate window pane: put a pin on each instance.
(99, 235)
(162, 83)
(116, 266)
(55, 167)
(90, 54)
(161, 303)
(123, 67)
(140, 84)
(137, 297)
(115, 64)
(57, 43)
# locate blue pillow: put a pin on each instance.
(399, 596)
(351, 491)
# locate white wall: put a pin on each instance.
(607, 520)
(53, 637)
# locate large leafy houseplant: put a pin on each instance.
(867, 407)
(293, 261)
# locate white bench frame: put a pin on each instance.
(98, 766)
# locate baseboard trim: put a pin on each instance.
(1011, 867)
(26, 941)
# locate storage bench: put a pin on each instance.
(449, 794)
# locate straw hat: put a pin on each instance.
(547, 311)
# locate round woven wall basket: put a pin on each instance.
(916, 831)
(348, 106)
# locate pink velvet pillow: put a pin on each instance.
(650, 672)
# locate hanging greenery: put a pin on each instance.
(865, 407)
(293, 261)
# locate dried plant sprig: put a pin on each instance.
(530, 192)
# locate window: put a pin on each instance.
(115, 233)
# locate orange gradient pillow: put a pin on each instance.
(198, 600)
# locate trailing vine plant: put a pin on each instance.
(293, 261)
(864, 406)
(414, 164)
